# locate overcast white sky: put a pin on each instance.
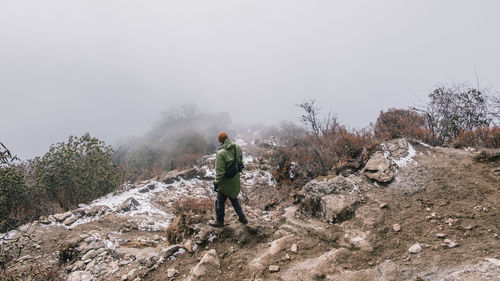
(111, 67)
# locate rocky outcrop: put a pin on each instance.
(206, 269)
(62, 217)
(396, 148)
(333, 200)
(386, 271)
(128, 205)
(378, 168)
(314, 268)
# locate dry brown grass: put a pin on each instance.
(193, 205)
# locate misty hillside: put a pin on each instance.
(414, 212)
(412, 197)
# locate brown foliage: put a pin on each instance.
(183, 226)
(339, 149)
(193, 205)
(481, 137)
(401, 123)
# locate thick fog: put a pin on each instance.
(111, 67)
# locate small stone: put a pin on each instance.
(370, 263)
(428, 209)
(452, 244)
(416, 248)
(447, 241)
(396, 227)
(383, 205)
(274, 268)
(294, 248)
(287, 257)
(433, 214)
(468, 227)
(440, 235)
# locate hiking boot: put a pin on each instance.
(215, 223)
(243, 220)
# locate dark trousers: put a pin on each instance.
(220, 204)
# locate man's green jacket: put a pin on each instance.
(224, 159)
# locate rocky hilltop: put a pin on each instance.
(413, 212)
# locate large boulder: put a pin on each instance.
(378, 168)
(128, 205)
(206, 269)
(338, 207)
(333, 199)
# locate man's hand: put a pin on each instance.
(215, 186)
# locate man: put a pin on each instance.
(227, 186)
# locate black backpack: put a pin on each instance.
(234, 169)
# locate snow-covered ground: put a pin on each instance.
(148, 216)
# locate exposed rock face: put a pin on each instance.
(314, 268)
(386, 271)
(128, 205)
(206, 268)
(274, 248)
(334, 185)
(338, 207)
(333, 199)
(379, 168)
(62, 217)
(397, 148)
(69, 221)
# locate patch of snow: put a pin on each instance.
(424, 144)
(211, 237)
(248, 159)
(355, 187)
(403, 161)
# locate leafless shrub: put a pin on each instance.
(454, 109)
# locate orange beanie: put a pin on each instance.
(222, 136)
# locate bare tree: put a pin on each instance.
(453, 109)
(6, 157)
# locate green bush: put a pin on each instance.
(78, 171)
(12, 190)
